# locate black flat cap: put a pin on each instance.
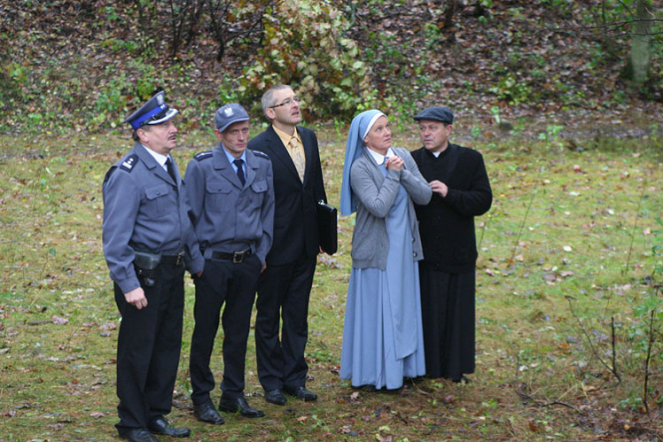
(441, 114)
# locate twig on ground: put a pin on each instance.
(635, 224)
(650, 345)
(522, 225)
(546, 404)
(613, 370)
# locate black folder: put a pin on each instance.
(327, 228)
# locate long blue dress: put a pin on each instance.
(383, 334)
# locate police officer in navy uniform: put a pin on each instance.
(232, 209)
(148, 239)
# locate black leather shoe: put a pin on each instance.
(139, 435)
(161, 426)
(233, 405)
(461, 380)
(275, 397)
(301, 393)
(206, 412)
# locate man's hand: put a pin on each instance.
(199, 274)
(439, 187)
(136, 297)
(264, 266)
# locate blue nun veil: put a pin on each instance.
(354, 147)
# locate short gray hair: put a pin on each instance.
(267, 100)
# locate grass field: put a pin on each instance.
(565, 259)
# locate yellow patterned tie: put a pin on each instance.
(296, 151)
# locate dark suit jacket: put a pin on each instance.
(295, 213)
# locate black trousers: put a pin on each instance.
(148, 350)
(449, 317)
(234, 284)
(283, 293)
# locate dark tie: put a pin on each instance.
(240, 171)
(169, 168)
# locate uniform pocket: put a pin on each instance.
(216, 198)
(157, 200)
(259, 186)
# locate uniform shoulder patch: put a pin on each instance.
(203, 155)
(129, 162)
(261, 154)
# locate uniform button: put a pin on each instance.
(158, 193)
(414, 254)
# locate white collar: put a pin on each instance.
(161, 159)
(380, 158)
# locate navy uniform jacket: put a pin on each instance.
(295, 216)
(146, 211)
(227, 216)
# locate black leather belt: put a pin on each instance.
(235, 257)
(173, 259)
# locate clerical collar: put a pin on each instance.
(440, 153)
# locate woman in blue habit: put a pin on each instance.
(382, 336)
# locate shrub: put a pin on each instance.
(305, 45)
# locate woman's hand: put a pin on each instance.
(394, 163)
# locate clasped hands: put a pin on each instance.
(394, 163)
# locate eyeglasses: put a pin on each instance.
(287, 102)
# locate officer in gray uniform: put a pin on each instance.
(148, 239)
(232, 209)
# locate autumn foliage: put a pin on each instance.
(84, 65)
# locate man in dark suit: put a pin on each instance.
(284, 287)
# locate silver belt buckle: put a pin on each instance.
(180, 258)
(238, 257)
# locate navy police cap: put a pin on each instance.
(229, 114)
(441, 114)
(155, 111)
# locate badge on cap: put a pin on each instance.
(155, 111)
(229, 114)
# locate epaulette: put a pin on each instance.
(261, 154)
(202, 155)
(129, 163)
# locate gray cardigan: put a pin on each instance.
(375, 196)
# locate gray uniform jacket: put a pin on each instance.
(375, 196)
(227, 216)
(146, 211)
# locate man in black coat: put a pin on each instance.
(285, 285)
(461, 191)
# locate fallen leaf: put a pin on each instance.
(98, 414)
(59, 321)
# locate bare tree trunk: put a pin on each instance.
(641, 41)
(449, 14)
